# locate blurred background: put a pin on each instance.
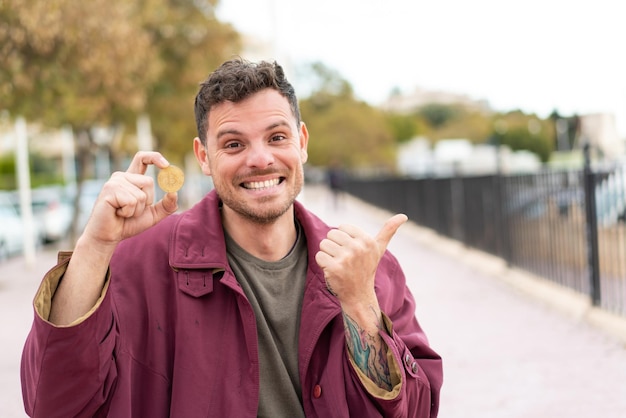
(499, 125)
(517, 110)
(489, 120)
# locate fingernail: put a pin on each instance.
(164, 161)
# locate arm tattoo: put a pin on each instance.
(368, 352)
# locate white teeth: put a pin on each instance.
(257, 185)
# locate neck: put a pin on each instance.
(269, 242)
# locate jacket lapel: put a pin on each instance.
(319, 307)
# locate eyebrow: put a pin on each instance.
(238, 132)
(228, 131)
(277, 124)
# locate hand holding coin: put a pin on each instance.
(126, 206)
(171, 179)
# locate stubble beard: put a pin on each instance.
(261, 214)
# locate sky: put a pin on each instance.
(534, 55)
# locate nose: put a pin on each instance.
(260, 156)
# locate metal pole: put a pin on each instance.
(69, 157)
(23, 181)
(145, 141)
(592, 229)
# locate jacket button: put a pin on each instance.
(317, 391)
(407, 360)
(414, 367)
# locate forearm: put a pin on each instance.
(349, 258)
(82, 282)
(362, 323)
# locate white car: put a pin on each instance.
(12, 228)
(88, 195)
(53, 212)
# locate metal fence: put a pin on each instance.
(566, 226)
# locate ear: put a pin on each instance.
(202, 156)
(304, 143)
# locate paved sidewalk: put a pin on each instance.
(506, 355)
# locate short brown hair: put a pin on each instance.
(235, 80)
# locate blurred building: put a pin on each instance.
(403, 103)
(48, 143)
(459, 157)
(600, 132)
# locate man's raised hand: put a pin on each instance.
(349, 258)
(125, 205)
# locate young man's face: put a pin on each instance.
(254, 152)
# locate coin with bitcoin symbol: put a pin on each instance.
(171, 178)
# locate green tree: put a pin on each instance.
(342, 129)
(437, 115)
(404, 127)
(73, 62)
(103, 62)
(521, 131)
(191, 43)
(349, 132)
(469, 124)
(7, 173)
(78, 63)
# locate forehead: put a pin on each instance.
(259, 108)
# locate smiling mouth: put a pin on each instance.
(260, 185)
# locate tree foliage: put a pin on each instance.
(103, 62)
(350, 133)
(41, 172)
(405, 127)
(520, 131)
(81, 63)
(467, 123)
(98, 63)
(342, 129)
(437, 115)
(191, 43)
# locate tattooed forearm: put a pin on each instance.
(368, 351)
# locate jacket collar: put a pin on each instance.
(197, 240)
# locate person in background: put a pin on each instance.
(335, 178)
(245, 305)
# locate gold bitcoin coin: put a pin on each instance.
(171, 178)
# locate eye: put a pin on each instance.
(278, 138)
(232, 145)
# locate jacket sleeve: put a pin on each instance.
(411, 359)
(68, 371)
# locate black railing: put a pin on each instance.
(566, 226)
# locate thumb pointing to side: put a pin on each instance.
(388, 230)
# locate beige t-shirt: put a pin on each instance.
(275, 290)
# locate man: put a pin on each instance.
(245, 305)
